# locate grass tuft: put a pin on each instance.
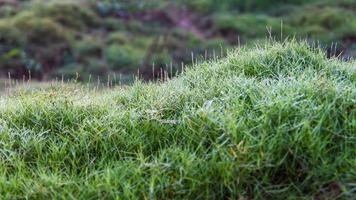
(270, 122)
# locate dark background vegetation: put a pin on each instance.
(89, 39)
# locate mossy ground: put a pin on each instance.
(272, 122)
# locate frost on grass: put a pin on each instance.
(276, 121)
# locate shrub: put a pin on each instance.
(123, 57)
(69, 71)
(10, 35)
(249, 26)
(40, 31)
(96, 68)
(45, 40)
(206, 6)
(85, 72)
(327, 17)
(69, 15)
(41, 41)
(87, 47)
(324, 23)
(113, 24)
(118, 38)
(7, 11)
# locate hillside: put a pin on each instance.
(83, 40)
(270, 122)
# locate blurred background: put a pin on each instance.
(91, 39)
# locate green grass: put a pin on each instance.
(276, 121)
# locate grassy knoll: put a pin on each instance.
(271, 122)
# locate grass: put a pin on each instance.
(277, 121)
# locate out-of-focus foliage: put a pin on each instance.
(48, 39)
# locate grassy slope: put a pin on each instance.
(274, 121)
